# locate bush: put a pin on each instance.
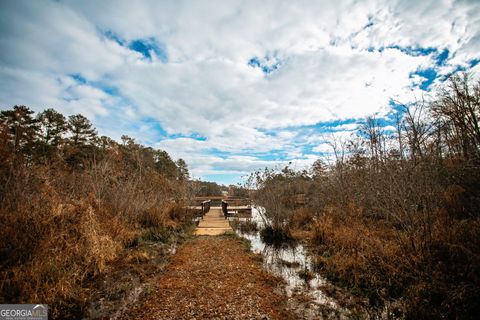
(65, 219)
(276, 236)
(396, 216)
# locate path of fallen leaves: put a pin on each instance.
(213, 278)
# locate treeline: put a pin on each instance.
(71, 200)
(208, 188)
(395, 217)
(51, 137)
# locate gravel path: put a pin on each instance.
(213, 278)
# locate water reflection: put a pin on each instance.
(288, 261)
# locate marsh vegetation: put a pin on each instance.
(72, 203)
(394, 217)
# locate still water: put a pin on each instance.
(290, 262)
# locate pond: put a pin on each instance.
(292, 263)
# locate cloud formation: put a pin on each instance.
(231, 86)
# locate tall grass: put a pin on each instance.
(60, 228)
(411, 240)
(62, 224)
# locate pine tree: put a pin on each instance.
(81, 142)
(52, 128)
(21, 127)
(182, 170)
(164, 164)
(81, 129)
(53, 125)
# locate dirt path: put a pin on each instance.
(213, 278)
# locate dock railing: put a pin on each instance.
(225, 208)
(237, 208)
(205, 207)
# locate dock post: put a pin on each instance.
(225, 208)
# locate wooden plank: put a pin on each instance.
(213, 224)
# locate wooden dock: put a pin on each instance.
(213, 224)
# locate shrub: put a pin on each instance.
(65, 218)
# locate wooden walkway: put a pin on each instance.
(213, 224)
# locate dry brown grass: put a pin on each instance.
(402, 235)
(435, 276)
(302, 219)
(61, 228)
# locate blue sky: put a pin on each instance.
(232, 86)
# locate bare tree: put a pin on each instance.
(371, 129)
(417, 128)
(457, 112)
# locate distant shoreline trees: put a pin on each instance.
(50, 136)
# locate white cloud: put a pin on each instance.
(323, 148)
(334, 63)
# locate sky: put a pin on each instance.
(232, 86)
